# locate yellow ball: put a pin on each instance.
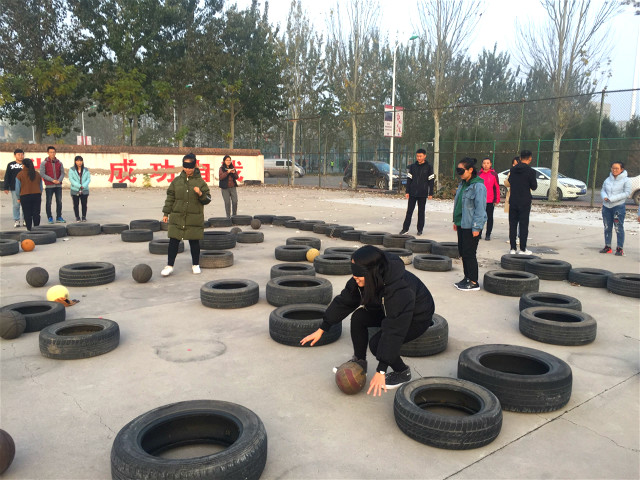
(312, 253)
(57, 291)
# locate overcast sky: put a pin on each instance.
(497, 25)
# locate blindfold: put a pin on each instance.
(358, 270)
(189, 164)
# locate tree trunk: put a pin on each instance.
(124, 129)
(555, 162)
(293, 153)
(436, 149)
(232, 125)
(180, 121)
(134, 132)
(354, 152)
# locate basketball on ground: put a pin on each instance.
(350, 378)
(27, 245)
(312, 253)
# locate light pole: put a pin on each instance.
(393, 109)
(84, 139)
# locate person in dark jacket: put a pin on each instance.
(382, 294)
(52, 172)
(522, 179)
(228, 183)
(420, 178)
(13, 168)
(184, 211)
(469, 216)
(29, 188)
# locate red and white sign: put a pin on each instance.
(83, 141)
(391, 127)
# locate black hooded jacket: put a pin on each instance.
(404, 299)
(522, 179)
(420, 180)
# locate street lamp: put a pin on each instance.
(393, 109)
(131, 131)
(84, 138)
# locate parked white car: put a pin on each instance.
(635, 189)
(567, 187)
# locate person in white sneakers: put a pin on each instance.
(184, 212)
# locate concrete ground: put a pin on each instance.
(64, 415)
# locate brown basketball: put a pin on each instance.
(350, 378)
(7, 451)
(142, 273)
(236, 230)
(12, 324)
(256, 224)
(27, 245)
(37, 277)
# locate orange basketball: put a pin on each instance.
(28, 245)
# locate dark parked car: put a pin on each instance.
(374, 175)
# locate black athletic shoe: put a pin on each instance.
(469, 286)
(395, 379)
(461, 282)
(402, 232)
(419, 232)
(487, 237)
(606, 249)
(359, 361)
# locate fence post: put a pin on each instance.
(319, 152)
(595, 163)
(589, 163)
(538, 155)
(520, 132)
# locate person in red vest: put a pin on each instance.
(52, 172)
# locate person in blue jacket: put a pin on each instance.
(469, 217)
(79, 177)
(615, 190)
(381, 293)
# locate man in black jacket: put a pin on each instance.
(420, 179)
(523, 180)
(13, 169)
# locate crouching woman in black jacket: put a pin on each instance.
(382, 294)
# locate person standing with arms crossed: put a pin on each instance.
(522, 179)
(615, 190)
(228, 183)
(13, 169)
(420, 178)
(52, 172)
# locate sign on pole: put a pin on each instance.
(83, 140)
(392, 128)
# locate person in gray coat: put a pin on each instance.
(615, 190)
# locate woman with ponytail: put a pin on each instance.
(381, 293)
(29, 188)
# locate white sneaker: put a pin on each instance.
(512, 252)
(166, 271)
(525, 252)
(16, 224)
(196, 269)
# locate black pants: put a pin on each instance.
(489, 219)
(361, 320)
(31, 205)
(519, 215)
(49, 193)
(411, 205)
(80, 199)
(467, 248)
(174, 244)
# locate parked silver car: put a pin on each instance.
(567, 187)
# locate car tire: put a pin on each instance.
(111, 228)
(589, 277)
(220, 222)
(279, 220)
(636, 197)
(419, 245)
(83, 229)
(229, 293)
(241, 219)
(8, 247)
(216, 258)
(450, 249)
(265, 219)
(38, 314)
(548, 269)
(79, 338)
(524, 379)
(516, 261)
(287, 269)
(59, 230)
(307, 225)
(218, 240)
(322, 228)
(625, 284)
(11, 235)
(512, 283)
(291, 323)
(312, 242)
(336, 232)
(293, 224)
(558, 193)
(250, 237)
(382, 183)
(351, 235)
(373, 238)
(292, 253)
(432, 263)
(404, 254)
(481, 425)
(136, 235)
(145, 224)
(332, 264)
(393, 240)
(87, 274)
(267, 174)
(161, 246)
(135, 448)
(503, 191)
(298, 289)
(557, 326)
(434, 340)
(39, 238)
(548, 299)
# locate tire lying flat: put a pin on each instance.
(373, 238)
(39, 238)
(216, 258)
(79, 338)
(557, 326)
(229, 293)
(393, 240)
(145, 224)
(250, 237)
(8, 247)
(58, 229)
(332, 264)
(299, 289)
(414, 401)
(87, 274)
(548, 269)
(134, 454)
(291, 323)
(161, 246)
(312, 242)
(432, 263)
(523, 379)
(38, 314)
(286, 269)
(404, 254)
(626, 284)
(512, 283)
(548, 299)
(431, 342)
(136, 235)
(110, 228)
(589, 277)
(83, 229)
(515, 261)
(450, 249)
(420, 245)
(292, 253)
(218, 240)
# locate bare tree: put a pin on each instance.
(448, 26)
(569, 48)
(346, 69)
